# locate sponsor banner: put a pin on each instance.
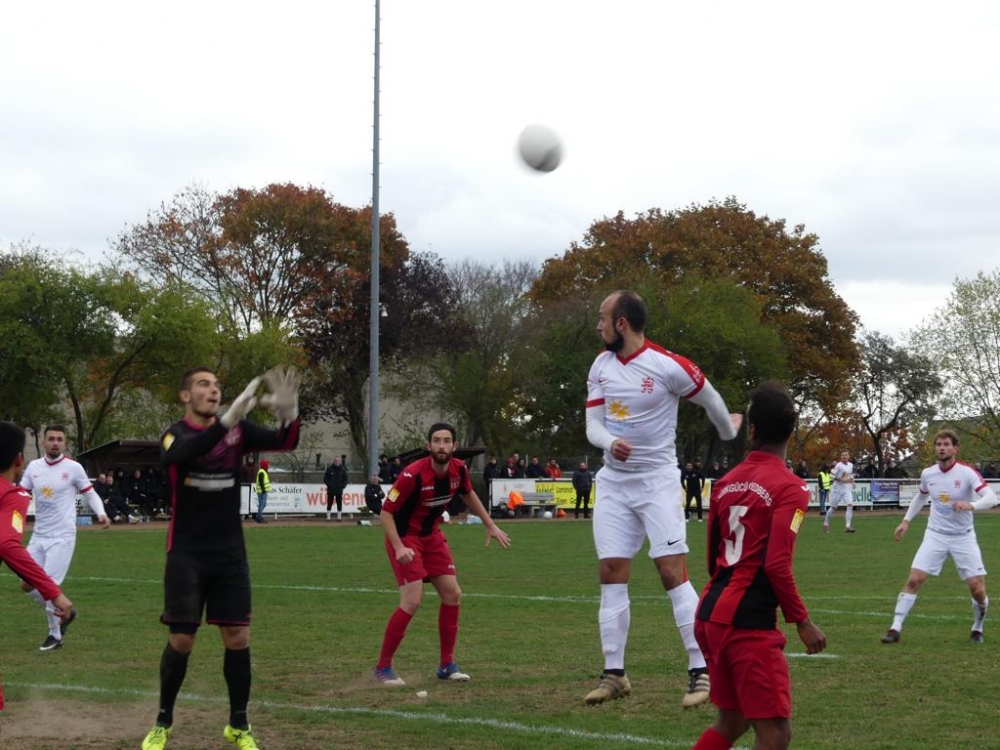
(885, 491)
(302, 499)
(561, 489)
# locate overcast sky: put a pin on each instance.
(874, 124)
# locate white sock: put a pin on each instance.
(850, 515)
(54, 621)
(904, 603)
(979, 612)
(684, 600)
(828, 516)
(614, 618)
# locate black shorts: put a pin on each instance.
(216, 583)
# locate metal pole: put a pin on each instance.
(375, 308)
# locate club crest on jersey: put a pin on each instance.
(65, 476)
(647, 385)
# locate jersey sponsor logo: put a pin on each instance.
(167, 441)
(17, 522)
(210, 483)
(797, 520)
(436, 501)
(618, 410)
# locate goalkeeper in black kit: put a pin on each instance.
(207, 572)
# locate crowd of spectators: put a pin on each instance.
(131, 496)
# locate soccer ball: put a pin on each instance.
(547, 514)
(540, 148)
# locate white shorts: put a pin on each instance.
(628, 508)
(963, 549)
(53, 554)
(840, 498)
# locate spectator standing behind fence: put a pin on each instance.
(583, 482)
(824, 480)
(335, 479)
(895, 471)
(262, 486)
(490, 472)
(802, 470)
(951, 488)
(552, 470)
(383, 468)
(395, 467)
(694, 482)
(535, 470)
(374, 494)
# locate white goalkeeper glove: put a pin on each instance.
(242, 405)
(283, 394)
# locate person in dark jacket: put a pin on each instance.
(335, 479)
(583, 481)
(374, 494)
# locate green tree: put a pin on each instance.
(964, 336)
(80, 338)
(896, 391)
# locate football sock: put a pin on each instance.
(173, 667)
(684, 600)
(828, 516)
(979, 613)
(448, 631)
(711, 740)
(236, 668)
(904, 603)
(850, 515)
(614, 618)
(395, 629)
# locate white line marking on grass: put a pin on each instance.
(800, 655)
(437, 717)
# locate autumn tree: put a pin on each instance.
(418, 301)
(964, 337)
(256, 254)
(783, 269)
(895, 392)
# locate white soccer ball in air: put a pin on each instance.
(540, 148)
(547, 514)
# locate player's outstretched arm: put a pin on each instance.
(900, 531)
(726, 424)
(283, 394)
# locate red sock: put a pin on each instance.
(711, 740)
(448, 630)
(394, 632)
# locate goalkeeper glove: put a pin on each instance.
(241, 406)
(283, 396)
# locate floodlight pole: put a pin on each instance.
(375, 308)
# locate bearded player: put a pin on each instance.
(418, 550)
(633, 391)
(55, 480)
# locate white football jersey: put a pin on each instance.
(842, 470)
(55, 486)
(640, 397)
(942, 488)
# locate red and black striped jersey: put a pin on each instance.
(753, 522)
(420, 495)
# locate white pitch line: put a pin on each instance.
(435, 717)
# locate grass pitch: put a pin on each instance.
(528, 637)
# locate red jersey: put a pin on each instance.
(420, 496)
(753, 522)
(13, 512)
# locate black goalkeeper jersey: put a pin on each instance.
(203, 466)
